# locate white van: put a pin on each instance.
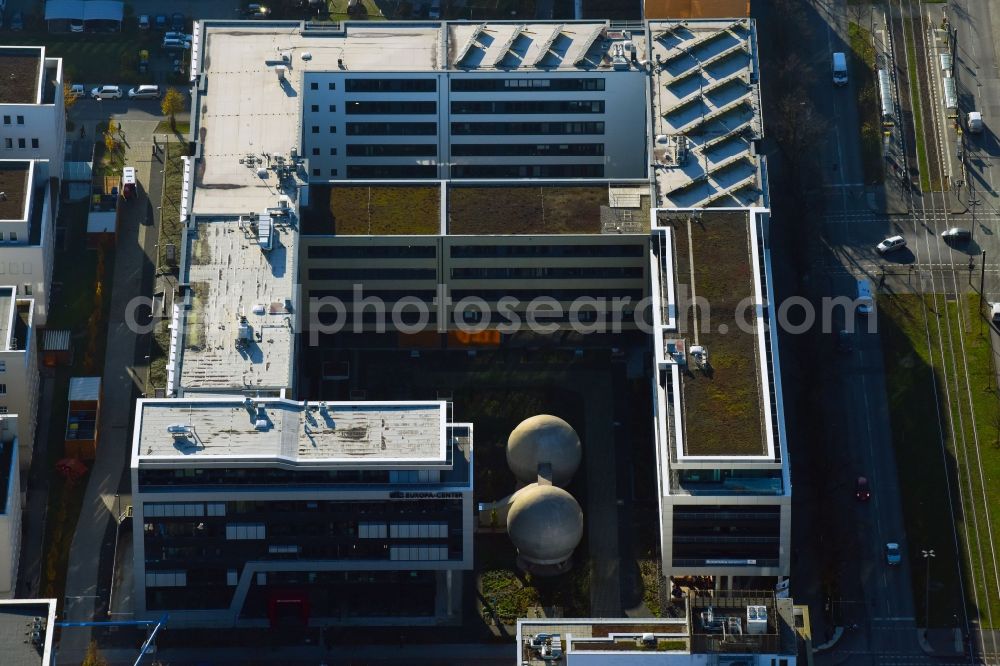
(865, 302)
(839, 69)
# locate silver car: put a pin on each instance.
(106, 92)
(891, 244)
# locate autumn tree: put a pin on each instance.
(172, 104)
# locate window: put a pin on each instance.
(283, 550)
(528, 128)
(8, 143)
(333, 108)
(34, 143)
(166, 579)
(13, 237)
(315, 151)
(314, 86)
(525, 85)
(3, 366)
(392, 150)
(217, 508)
(6, 120)
(1, 236)
(21, 143)
(418, 553)
(331, 86)
(392, 171)
(371, 530)
(333, 172)
(418, 530)
(333, 151)
(262, 578)
(392, 129)
(314, 108)
(527, 171)
(315, 129)
(333, 129)
(245, 531)
(393, 108)
(3, 389)
(178, 510)
(390, 85)
(232, 578)
(3, 409)
(315, 172)
(529, 149)
(27, 289)
(20, 120)
(528, 106)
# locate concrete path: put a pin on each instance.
(86, 595)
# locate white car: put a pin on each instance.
(76, 25)
(892, 555)
(891, 244)
(106, 92)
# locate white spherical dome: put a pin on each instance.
(545, 523)
(543, 439)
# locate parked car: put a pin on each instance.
(176, 44)
(177, 22)
(956, 234)
(177, 35)
(144, 92)
(76, 91)
(862, 491)
(76, 25)
(106, 92)
(144, 22)
(128, 183)
(17, 22)
(892, 554)
(891, 244)
(160, 22)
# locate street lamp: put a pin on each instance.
(927, 555)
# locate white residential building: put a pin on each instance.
(27, 229)
(18, 367)
(10, 505)
(32, 114)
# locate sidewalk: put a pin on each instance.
(36, 503)
(86, 595)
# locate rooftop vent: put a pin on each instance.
(756, 619)
(179, 430)
(280, 70)
(265, 232)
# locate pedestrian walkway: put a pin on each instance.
(86, 595)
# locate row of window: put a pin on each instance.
(245, 531)
(8, 143)
(418, 553)
(166, 579)
(183, 509)
(392, 129)
(390, 85)
(7, 120)
(369, 530)
(546, 272)
(372, 273)
(13, 239)
(526, 106)
(526, 170)
(392, 150)
(527, 84)
(385, 107)
(527, 149)
(472, 251)
(391, 171)
(466, 129)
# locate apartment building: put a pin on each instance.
(27, 628)
(10, 504)
(19, 377)
(27, 229)
(32, 114)
(264, 512)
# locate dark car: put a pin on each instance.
(160, 22)
(862, 491)
(844, 344)
(956, 234)
(177, 22)
(17, 22)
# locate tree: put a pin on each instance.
(94, 657)
(69, 99)
(173, 103)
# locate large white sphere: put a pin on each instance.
(543, 439)
(545, 524)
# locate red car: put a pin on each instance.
(862, 490)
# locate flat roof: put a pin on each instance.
(515, 46)
(230, 276)
(245, 109)
(725, 406)
(682, 9)
(20, 71)
(19, 619)
(15, 184)
(6, 316)
(333, 434)
(706, 112)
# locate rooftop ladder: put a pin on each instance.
(547, 45)
(469, 43)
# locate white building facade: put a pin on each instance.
(32, 112)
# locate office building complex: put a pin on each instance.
(32, 114)
(565, 161)
(10, 505)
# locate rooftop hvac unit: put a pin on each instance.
(179, 429)
(756, 619)
(265, 232)
(280, 70)
(244, 333)
(261, 425)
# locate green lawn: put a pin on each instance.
(170, 214)
(918, 116)
(382, 210)
(181, 132)
(338, 10)
(94, 57)
(526, 210)
(863, 72)
(908, 325)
